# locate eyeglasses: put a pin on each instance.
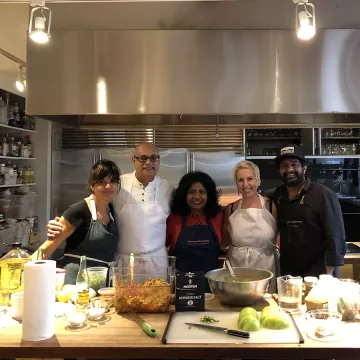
(144, 158)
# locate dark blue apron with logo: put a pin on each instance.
(197, 249)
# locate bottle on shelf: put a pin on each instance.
(21, 148)
(16, 108)
(11, 116)
(3, 111)
(31, 175)
(26, 176)
(4, 146)
(29, 145)
(2, 174)
(22, 120)
(19, 179)
(82, 283)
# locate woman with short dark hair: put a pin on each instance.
(88, 225)
(195, 223)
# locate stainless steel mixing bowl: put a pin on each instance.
(252, 285)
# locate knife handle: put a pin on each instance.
(241, 334)
(148, 329)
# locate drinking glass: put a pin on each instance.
(290, 293)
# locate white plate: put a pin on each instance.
(333, 338)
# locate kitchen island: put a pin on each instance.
(119, 337)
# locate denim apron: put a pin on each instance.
(99, 246)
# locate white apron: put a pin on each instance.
(253, 240)
(142, 226)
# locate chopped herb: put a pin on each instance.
(208, 319)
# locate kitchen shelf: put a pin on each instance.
(17, 128)
(17, 185)
(17, 158)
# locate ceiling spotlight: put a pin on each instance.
(21, 80)
(38, 31)
(305, 19)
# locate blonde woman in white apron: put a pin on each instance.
(249, 225)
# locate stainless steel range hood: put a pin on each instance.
(95, 75)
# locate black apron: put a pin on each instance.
(300, 254)
(197, 249)
(99, 246)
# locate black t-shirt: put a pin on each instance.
(79, 216)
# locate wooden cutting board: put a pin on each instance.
(180, 333)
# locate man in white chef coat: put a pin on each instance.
(141, 206)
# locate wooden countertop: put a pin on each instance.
(118, 337)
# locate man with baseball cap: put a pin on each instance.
(312, 236)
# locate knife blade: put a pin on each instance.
(227, 331)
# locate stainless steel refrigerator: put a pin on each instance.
(71, 169)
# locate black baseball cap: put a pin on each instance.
(290, 151)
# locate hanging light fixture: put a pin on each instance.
(305, 19)
(40, 22)
(21, 80)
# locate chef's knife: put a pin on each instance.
(227, 331)
(148, 329)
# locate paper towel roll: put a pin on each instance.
(38, 321)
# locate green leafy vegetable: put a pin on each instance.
(208, 319)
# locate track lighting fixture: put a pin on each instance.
(21, 80)
(305, 19)
(40, 22)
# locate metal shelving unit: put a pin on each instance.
(16, 185)
(16, 128)
(17, 158)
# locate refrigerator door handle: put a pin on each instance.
(100, 156)
(94, 158)
(192, 163)
(188, 162)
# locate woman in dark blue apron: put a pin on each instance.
(194, 225)
(88, 225)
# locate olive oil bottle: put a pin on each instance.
(82, 283)
(12, 267)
